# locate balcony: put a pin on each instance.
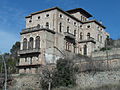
(28, 65)
(36, 28)
(87, 40)
(69, 35)
(29, 51)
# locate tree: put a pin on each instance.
(15, 49)
(14, 58)
(62, 75)
(65, 74)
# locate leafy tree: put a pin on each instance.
(15, 49)
(62, 75)
(65, 75)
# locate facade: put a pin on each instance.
(51, 32)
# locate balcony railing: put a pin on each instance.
(28, 51)
(31, 29)
(87, 40)
(36, 28)
(28, 65)
(69, 35)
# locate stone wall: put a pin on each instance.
(25, 82)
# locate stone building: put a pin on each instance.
(51, 32)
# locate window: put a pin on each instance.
(60, 27)
(88, 36)
(37, 42)
(47, 25)
(31, 43)
(68, 45)
(88, 26)
(98, 37)
(38, 26)
(24, 43)
(30, 21)
(74, 32)
(74, 49)
(68, 29)
(75, 23)
(68, 20)
(38, 17)
(81, 18)
(85, 49)
(61, 16)
(30, 60)
(101, 39)
(25, 59)
(81, 36)
(80, 26)
(47, 15)
(24, 70)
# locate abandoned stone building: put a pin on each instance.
(51, 32)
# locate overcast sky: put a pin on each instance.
(12, 13)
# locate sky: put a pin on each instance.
(13, 12)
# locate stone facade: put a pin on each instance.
(51, 32)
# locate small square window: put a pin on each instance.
(88, 26)
(38, 17)
(68, 20)
(61, 16)
(47, 15)
(81, 26)
(75, 23)
(30, 21)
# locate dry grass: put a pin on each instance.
(107, 87)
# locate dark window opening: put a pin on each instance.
(37, 42)
(47, 15)
(47, 25)
(85, 49)
(74, 32)
(88, 36)
(68, 29)
(38, 17)
(81, 36)
(24, 44)
(31, 43)
(60, 27)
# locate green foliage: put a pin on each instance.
(11, 59)
(104, 49)
(15, 49)
(64, 75)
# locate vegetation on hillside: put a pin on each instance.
(10, 58)
(62, 75)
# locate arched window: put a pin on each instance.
(24, 43)
(88, 36)
(81, 36)
(60, 27)
(37, 42)
(85, 49)
(38, 26)
(31, 40)
(47, 25)
(68, 29)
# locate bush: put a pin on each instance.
(64, 75)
